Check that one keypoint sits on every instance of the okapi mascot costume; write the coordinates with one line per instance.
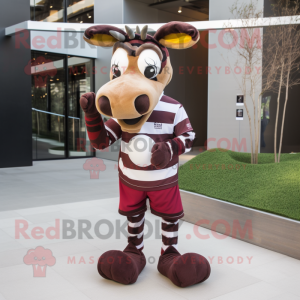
(154, 130)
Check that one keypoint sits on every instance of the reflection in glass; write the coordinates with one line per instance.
(80, 82)
(265, 118)
(48, 104)
(47, 10)
(80, 11)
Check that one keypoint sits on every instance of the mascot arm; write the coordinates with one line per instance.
(164, 152)
(101, 135)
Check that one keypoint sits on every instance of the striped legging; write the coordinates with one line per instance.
(136, 232)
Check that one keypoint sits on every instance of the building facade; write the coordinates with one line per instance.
(45, 73)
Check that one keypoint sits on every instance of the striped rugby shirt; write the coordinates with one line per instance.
(168, 123)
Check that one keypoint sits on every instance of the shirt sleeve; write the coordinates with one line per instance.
(101, 134)
(184, 135)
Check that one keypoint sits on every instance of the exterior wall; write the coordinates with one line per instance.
(15, 101)
(223, 88)
(109, 12)
(189, 86)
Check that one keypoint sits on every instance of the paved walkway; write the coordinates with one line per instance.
(55, 182)
(63, 190)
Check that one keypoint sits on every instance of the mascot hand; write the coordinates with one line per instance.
(87, 103)
(161, 155)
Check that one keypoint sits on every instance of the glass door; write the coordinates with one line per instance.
(48, 105)
(58, 125)
(80, 74)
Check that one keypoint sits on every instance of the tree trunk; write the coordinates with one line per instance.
(250, 126)
(251, 140)
(277, 113)
(258, 126)
(283, 114)
(254, 121)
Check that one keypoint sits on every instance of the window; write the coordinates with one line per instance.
(71, 11)
(47, 10)
(80, 11)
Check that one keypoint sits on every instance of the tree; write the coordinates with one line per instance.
(280, 63)
(254, 81)
(286, 42)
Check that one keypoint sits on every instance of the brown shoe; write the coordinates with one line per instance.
(183, 270)
(122, 266)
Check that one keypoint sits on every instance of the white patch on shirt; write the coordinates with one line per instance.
(139, 150)
(157, 125)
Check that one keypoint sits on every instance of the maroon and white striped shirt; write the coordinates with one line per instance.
(168, 123)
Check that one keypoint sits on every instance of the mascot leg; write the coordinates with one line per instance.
(183, 270)
(125, 266)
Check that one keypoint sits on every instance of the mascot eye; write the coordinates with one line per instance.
(119, 63)
(149, 64)
(150, 72)
(115, 71)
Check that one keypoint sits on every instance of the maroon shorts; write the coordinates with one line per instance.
(163, 203)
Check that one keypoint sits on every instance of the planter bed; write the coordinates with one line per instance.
(268, 230)
(223, 185)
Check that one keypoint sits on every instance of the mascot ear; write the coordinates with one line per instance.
(104, 35)
(177, 35)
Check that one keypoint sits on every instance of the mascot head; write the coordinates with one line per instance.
(140, 69)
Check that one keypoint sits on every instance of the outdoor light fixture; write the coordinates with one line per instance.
(179, 9)
(51, 6)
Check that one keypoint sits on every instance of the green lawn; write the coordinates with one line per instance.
(229, 176)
